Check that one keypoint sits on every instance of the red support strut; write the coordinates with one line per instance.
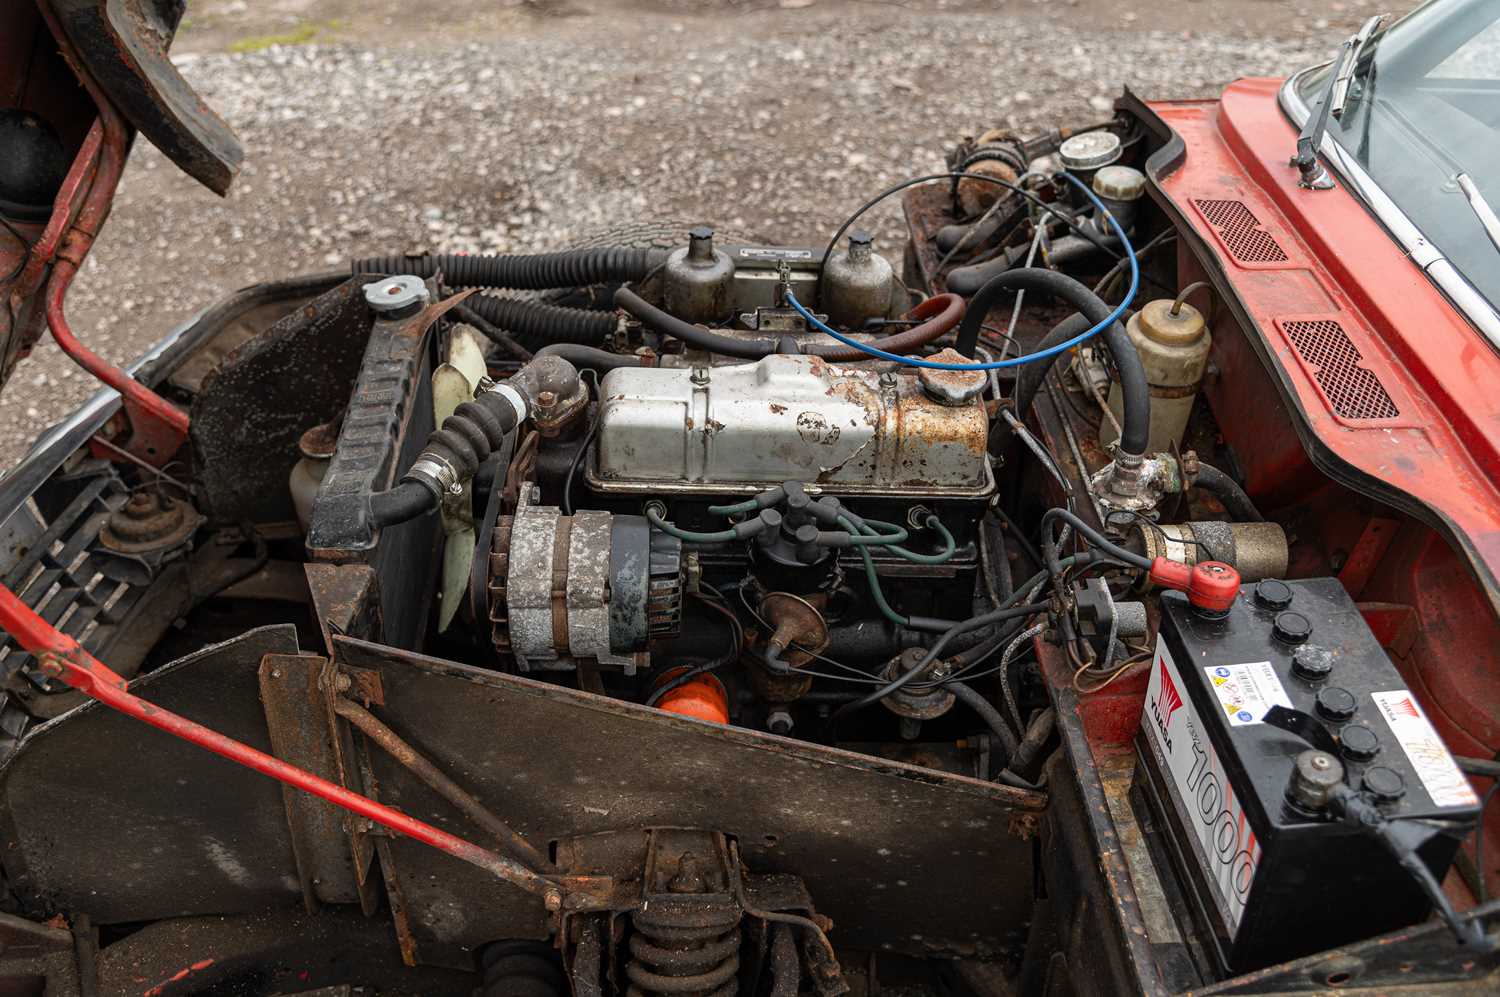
(157, 428)
(63, 658)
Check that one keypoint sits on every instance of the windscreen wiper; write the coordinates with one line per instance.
(1312, 174)
(1481, 207)
(1345, 79)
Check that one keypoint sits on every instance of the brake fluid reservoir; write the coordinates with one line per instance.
(1173, 347)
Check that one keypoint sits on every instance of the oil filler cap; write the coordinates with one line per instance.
(1336, 703)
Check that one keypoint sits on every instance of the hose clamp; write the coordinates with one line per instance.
(516, 399)
(434, 472)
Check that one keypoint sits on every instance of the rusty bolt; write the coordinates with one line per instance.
(50, 664)
(553, 900)
(546, 399)
(689, 878)
(888, 379)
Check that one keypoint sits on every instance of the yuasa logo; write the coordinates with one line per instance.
(1168, 701)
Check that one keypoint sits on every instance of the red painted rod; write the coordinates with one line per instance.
(62, 657)
(161, 425)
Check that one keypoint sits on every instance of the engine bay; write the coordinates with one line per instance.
(706, 615)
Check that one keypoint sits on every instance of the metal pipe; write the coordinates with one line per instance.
(61, 657)
(389, 741)
(158, 428)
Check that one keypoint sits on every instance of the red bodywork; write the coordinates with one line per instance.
(1375, 440)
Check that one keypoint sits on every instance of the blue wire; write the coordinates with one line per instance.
(1051, 351)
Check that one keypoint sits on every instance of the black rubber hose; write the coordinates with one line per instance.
(474, 431)
(590, 357)
(537, 323)
(407, 500)
(1229, 492)
(991, 717)
(704, 339)
(529, 272)
(1037, 734)
(492, 332)
(968, 280)
(1137, 392)
(1029, 380)
(466, 438)
(979, 233)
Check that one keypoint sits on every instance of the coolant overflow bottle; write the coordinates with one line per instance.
(1173, 342)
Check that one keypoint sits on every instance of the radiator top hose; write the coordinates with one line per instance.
(475, 430)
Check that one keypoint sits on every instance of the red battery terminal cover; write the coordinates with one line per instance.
(1211, 586)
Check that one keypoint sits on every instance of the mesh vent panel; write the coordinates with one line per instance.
(1246, 241)
(1356, 393)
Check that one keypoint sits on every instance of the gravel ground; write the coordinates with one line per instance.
(520, 130)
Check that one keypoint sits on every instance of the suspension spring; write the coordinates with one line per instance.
(521, 968)
(684, 952)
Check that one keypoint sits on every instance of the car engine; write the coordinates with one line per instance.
(705, 614)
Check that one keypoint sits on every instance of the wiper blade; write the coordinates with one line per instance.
(1312, 173)
(1481, 207)
(1345, 78)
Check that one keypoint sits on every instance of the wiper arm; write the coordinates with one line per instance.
(1346, 77)
(1313, 175)
(1481, 207)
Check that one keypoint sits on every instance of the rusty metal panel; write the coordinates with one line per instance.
(301, 731)
(255, 405)
(868, 835)
(346, 600)
(168, 829)
(123, 45)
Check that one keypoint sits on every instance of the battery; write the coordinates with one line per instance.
(1266, 880)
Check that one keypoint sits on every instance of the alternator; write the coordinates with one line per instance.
(591, 586)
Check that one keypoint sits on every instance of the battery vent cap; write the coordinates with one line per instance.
(1336, 703)
(1385, 784)
(1273, 594)
(1359, 743)
(1312, 662)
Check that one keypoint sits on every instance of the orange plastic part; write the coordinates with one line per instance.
(704, 698)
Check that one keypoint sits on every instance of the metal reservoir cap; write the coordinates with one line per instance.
(952, 387)
(1158, 324)
(395, 296)
(1090, 150)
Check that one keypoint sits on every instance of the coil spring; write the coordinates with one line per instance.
(521, 968)
(695, 955)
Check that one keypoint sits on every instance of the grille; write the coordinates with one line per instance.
(1240, 232)
(1354, 391)
(58, 573)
